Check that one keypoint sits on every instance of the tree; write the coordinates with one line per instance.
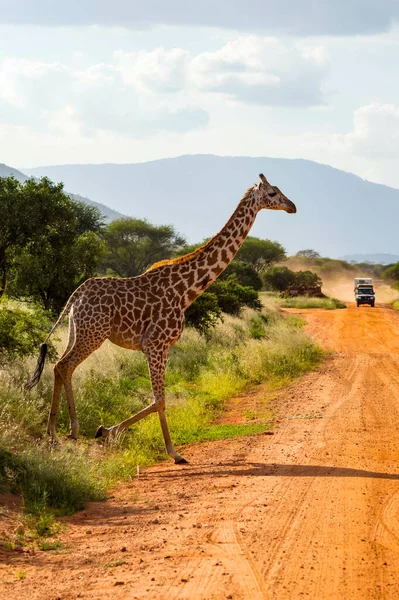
(278, 278)
(244, 273)
(261, 254)
(16, 223)
(392, 273)
(308, 253)
(133, 245)
(62, 247)
(307, 278)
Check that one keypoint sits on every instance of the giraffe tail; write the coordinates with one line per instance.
(39, 368)
(44, 347)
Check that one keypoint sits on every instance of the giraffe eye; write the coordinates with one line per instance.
(272, 194)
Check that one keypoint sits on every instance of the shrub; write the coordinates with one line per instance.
(204, 312)
(22, 331)
(244, 273)
(278, 279)
(232, 297)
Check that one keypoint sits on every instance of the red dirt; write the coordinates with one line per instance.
(311, 511)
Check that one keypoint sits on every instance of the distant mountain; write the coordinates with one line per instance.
(109, 214)
(338, 213)
(378, 259)
(6, 171)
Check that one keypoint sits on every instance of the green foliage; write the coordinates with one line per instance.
(259, 253)
(21, 332)
(133, 245)
(55, 247)
(278, 278)
(244, 273)
(204, 312)
(392, 273)
(226, 296)
(307, 278)
(62, 479)
(312, 302)
(232, 297)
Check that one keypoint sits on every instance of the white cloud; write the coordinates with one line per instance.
(264, 71)
(139, 93)
(58, 98)
(376, 131)
(250, 69)
(155, 71)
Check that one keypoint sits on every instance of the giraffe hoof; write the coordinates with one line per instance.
(181, 461)
(102, 432)
(99, 432)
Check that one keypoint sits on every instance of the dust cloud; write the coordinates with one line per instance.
(342, 288)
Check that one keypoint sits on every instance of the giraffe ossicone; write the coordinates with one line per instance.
(147, 312)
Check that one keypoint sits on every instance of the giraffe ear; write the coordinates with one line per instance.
(263, 178)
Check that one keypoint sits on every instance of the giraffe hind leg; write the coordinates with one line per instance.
(80, 350)
(58, 383)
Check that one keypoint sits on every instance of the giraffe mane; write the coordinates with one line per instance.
(187, 257)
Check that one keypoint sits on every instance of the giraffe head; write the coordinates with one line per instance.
(269, 196)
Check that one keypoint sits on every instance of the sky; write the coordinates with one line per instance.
(93, 81)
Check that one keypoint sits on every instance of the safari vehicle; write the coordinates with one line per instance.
(364, 291)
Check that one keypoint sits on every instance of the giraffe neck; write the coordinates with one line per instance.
(203, 269)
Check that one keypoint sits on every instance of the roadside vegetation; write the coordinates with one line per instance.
(258, 347)
(312, 302)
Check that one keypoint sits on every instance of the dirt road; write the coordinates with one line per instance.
(311, 511)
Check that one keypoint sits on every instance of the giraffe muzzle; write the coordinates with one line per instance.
(290, 207)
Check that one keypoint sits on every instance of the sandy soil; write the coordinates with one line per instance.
(311, 511)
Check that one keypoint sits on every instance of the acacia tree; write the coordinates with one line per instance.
(261, 254)
(133, 245)
(62, 245)
(307, 253)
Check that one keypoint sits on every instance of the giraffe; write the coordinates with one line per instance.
(146, 312)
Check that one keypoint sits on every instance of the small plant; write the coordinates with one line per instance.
(46, 546)
(20, 575)
(42, 523)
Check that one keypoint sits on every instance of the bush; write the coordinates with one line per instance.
(307, 278)
(232, 296)
(204, 312)
(278, 279)
(22, 331)
(62, 479)
(226, 296)
(244, 273)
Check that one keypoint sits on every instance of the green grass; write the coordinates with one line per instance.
(54, 546)
(395, 304)
(114, 383)
(311, 302)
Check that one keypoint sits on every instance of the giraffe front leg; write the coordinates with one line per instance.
(157, 360)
